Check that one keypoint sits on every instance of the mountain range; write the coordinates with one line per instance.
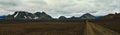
(83, 17)
(22, 15)
(27, 15)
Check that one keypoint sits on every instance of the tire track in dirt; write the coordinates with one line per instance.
(94, 29)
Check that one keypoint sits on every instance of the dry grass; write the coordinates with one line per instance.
(42, 28)
(52, 28)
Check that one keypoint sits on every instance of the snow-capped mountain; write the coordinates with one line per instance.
(23, 15)
(27, 15)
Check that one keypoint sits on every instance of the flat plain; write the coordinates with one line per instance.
(59, 27)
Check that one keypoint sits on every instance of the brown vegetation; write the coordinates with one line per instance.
(53, 27)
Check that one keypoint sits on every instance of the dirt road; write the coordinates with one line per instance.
(94, 29)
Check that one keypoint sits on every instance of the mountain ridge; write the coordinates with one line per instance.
(87, 16)
(43, 16)
(27, 15)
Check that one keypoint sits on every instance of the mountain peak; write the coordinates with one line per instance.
(62, 17)
(23, 15)
(26, 15)
(43, 13)
(73, 17)
(87, 16)
(38, 12)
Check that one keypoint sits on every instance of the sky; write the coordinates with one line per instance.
(57, 8)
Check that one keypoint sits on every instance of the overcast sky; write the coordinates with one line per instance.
(56, 8)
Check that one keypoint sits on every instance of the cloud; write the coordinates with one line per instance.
(56, 8)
